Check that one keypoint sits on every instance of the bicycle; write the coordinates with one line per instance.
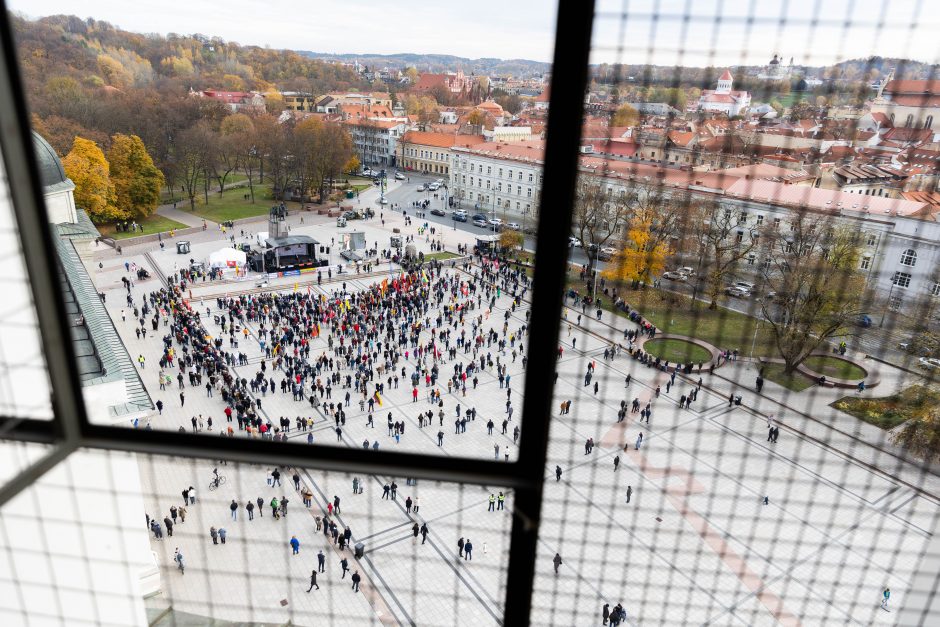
(216, 482)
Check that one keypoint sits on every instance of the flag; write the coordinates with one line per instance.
(378, 399)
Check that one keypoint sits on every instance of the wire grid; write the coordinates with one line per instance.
(24, 380)
(680, 532)
(847, 514)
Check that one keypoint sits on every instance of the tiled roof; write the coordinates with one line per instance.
(440, 140)
(726, 76)
(913, 87)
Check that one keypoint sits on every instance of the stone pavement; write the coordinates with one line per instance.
(694, 545)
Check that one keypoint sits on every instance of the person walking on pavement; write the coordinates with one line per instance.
(313, 581)
(616, 462)
(250, 507)
(415, 530)
(260, 502)
(355, 581)
(295, 545)
(344, 564)
(424, 533)
(884, 599)
(557, 473)
(275, 477)
(234, 508)
(629, 493)
(557, 562)
(169, 526)
(321, 562)
(214, 535)
(222, 533)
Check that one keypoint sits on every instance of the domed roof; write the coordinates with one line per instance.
(51, 173)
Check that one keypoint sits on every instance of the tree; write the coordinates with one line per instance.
(352, 166)
(238, 130)
(191, 153)
(476, 118)
(812, 269)
(642, 256)
(94, 192)
(137, 181)
(510, 240)
(412, 74)
(625, 116)
(598, 215)
(921, 434)
(713, 232)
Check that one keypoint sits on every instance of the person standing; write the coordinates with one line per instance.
(460, 547)
(214, 535)
(355, 581)
(192, 495)
(251, 510)
(467, 550)
(557, 473)
(169, 526)
(222, 533)
(557, 562)
(616, 462)
(492, 507)
(275, 477)
(295, 544)
(629, 492)
(296, 479)
(884, 599)
(313, 581)
(260, 502)
(605, 613)
(234, 509)
(321, 562)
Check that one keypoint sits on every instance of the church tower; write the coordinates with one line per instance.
(725, 81)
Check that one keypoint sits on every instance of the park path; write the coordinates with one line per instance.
(184, 217)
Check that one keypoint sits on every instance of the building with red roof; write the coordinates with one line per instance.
(724, 99)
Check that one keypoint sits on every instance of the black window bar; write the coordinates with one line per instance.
(70, 429)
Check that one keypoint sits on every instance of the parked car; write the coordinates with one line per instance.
(422, 187)
(687, 270)
(737, 292)
(929, 363)
(399, 176)
(479, 216)
(514, 226)
(460, 215)
(606, 253)
(480, 222)
(434, 186)
(383, 201)
(496, 222)
(438, 212)
(574, 241)
(674, 275)
(863, 321)
(744, 285)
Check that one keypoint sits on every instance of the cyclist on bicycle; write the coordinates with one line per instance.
(215, 474)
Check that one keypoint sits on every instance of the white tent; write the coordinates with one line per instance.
(227, 258)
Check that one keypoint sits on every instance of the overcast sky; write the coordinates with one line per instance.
(814, 32)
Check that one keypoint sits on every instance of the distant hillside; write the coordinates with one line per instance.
(439, 63)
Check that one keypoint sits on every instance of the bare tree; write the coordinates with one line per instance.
(721, 240)
(599, 215)
(813, 270)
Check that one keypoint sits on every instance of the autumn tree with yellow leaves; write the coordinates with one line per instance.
(137, 181)
(643, 254)
(94, 192)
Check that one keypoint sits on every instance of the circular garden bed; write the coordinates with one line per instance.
(677, 351)
(834, 367)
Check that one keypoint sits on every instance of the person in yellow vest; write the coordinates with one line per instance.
(492, 503)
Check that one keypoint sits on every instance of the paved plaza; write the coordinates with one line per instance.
(695, 544)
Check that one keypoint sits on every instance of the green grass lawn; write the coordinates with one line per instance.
(677, 351)
(152, 224)
(674, 313)
(231, 205)
(178, 195)
(441, 256)
(794, 382)
(890, 411)
(836, 368)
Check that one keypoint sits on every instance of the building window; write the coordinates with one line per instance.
(742, 218)
(489, 170)
(727, 214)
(901, 279)
(520, 175)
(789, 247)
(766, 263)
(500, 173)
(750, 259)
(866, 262)
(928, 123)
(909, 122)
(872, 239)
(776, 223)
(499, 187)
(909, 257)
(935, 289)
(760, 220)
(530, 177)
(740, 237)
(529, 192)
(510, 174)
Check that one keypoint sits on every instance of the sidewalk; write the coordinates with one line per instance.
(187, 218)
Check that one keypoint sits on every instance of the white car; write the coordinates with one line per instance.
(929, 363)
(687, 271)
(399, 176)
(737, 292)
(497, 222)
(744, 285)
(514, 226)
(383, 201)
(674, 276)
(434, 186)
(574, 241)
